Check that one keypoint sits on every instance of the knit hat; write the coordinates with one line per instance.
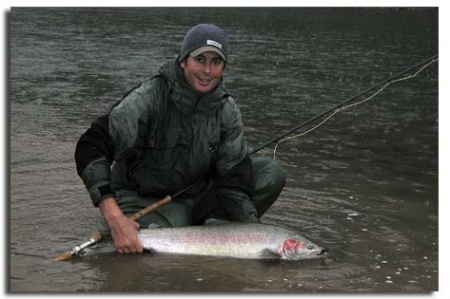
(202, 38)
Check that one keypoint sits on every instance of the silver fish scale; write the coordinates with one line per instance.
(238, 240)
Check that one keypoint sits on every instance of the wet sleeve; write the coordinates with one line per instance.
(111, 138)
(233, 180)
(233, 147)
(93, 157)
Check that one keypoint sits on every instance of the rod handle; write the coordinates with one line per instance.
(150, 208)
(69, 253)
(98, 237)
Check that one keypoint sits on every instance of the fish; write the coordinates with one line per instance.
(234, 240)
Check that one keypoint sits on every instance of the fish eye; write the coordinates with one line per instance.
(310, 247)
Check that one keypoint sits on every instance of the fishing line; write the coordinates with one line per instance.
(338, 109)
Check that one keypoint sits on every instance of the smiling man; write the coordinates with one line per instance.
(203, 71)
(174, 129)
(203, 56)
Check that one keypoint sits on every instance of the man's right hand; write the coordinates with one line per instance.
(123, 230)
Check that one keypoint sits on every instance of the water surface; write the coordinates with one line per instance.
(365, 184)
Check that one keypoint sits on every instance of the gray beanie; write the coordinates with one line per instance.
(202, 38)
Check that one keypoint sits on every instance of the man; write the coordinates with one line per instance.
(174, 129)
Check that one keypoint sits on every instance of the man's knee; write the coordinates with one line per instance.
(269, 180)
(268, 175)
(279, 176)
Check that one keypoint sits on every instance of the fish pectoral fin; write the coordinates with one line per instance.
(269, 254)
(149, 250)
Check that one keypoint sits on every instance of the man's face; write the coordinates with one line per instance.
(204, 71)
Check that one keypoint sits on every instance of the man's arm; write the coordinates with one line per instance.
(93, 156)
(233, 182)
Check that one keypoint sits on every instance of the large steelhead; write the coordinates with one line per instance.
(238, 240)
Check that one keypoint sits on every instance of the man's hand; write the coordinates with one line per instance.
(123, 230)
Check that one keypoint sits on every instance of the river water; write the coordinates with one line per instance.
(364, 184)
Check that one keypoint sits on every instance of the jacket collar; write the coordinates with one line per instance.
(187, 99)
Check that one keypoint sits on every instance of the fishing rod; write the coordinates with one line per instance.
(345, 103)
(77, 250)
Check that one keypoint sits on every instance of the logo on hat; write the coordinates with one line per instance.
(214, 43)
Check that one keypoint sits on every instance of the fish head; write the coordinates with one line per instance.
(294, 248)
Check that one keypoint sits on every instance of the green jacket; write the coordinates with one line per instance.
(163, 136)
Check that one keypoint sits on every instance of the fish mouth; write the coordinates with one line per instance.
(323, 253)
